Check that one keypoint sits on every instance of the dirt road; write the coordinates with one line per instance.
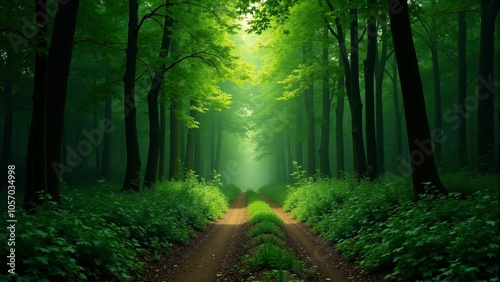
(203, 258)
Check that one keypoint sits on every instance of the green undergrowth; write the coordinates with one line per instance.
(268, 258)
(102, 234)
(452, 238)
(276, 193)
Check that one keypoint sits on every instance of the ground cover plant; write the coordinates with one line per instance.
(453, 238)
(100, 234)
(269, 259)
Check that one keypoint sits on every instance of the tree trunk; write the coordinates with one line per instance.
(163, 130)
(379, 113)
(324, 154)
(150, 176)
(218, 147)
(309, 109)
(437, 82)
(8, 119)
(197, 152)
(369, 70)
(59, 62)
(355, 102)
(299, 144)
(339, 120)
(36, 163)
(97, 153)
(462, 89)
(106, 150)
(425, 176)
(175, 170)
(486, 89)
(133, 171)
(191, 139)
(397, 115)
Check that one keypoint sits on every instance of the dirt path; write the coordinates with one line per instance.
(308, 246)
(204, 258)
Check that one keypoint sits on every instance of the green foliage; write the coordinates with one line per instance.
(276, 193)
(230, 191)
(99, 234)
(268, 241)
(452, 238)
(435, 239)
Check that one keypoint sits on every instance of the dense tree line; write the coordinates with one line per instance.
(105, 78)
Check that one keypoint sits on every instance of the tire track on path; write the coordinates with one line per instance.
(201, 259)
(311, 247)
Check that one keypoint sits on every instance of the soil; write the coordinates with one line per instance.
(213, 254)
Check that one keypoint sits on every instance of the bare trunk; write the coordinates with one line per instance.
(175, 170)
(486, 89)
(462, 89)
(133, 171)
(106, 150)
(339, 134)
(379, 113)
(324, 152)
(369, 70)
(36, 164)
(425, 176)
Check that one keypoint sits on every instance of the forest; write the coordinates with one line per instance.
(250, 140)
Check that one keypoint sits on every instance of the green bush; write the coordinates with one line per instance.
(99, 233)
(276, 193)
(452, 238)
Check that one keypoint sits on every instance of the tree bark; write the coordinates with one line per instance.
(106, 150)
(191, 139)
(339, 123)
(369, 70)
(59, 62)
(150, 176)
(299, 144)
(355, 101)
(425, 176)
(218, 148)
(397, 115)
(462, 89)
(438, 124)
(36, 163)
(8, 119)
(309, 108)
(379, 77)
(133, 171)
(486, 89)
(163, 130)
(324, 150)
(175, 169)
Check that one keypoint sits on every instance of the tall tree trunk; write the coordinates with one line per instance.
(218, 148)
(97, 151)
(8, 118)
(163, 130)
(324, 150)
(133, 171)
(299, 144)
(310, 151)
(397, 114)
(197, 153)
(175, 170)
(462, 89)
(379, 113)
(355, 101)
(191, 138)
(339, 119)
(369, 70)
(425, 176)
(106, 150)
(438, 124)
(59, 62)
(36, 164)
(150, 176)
(486, 89)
